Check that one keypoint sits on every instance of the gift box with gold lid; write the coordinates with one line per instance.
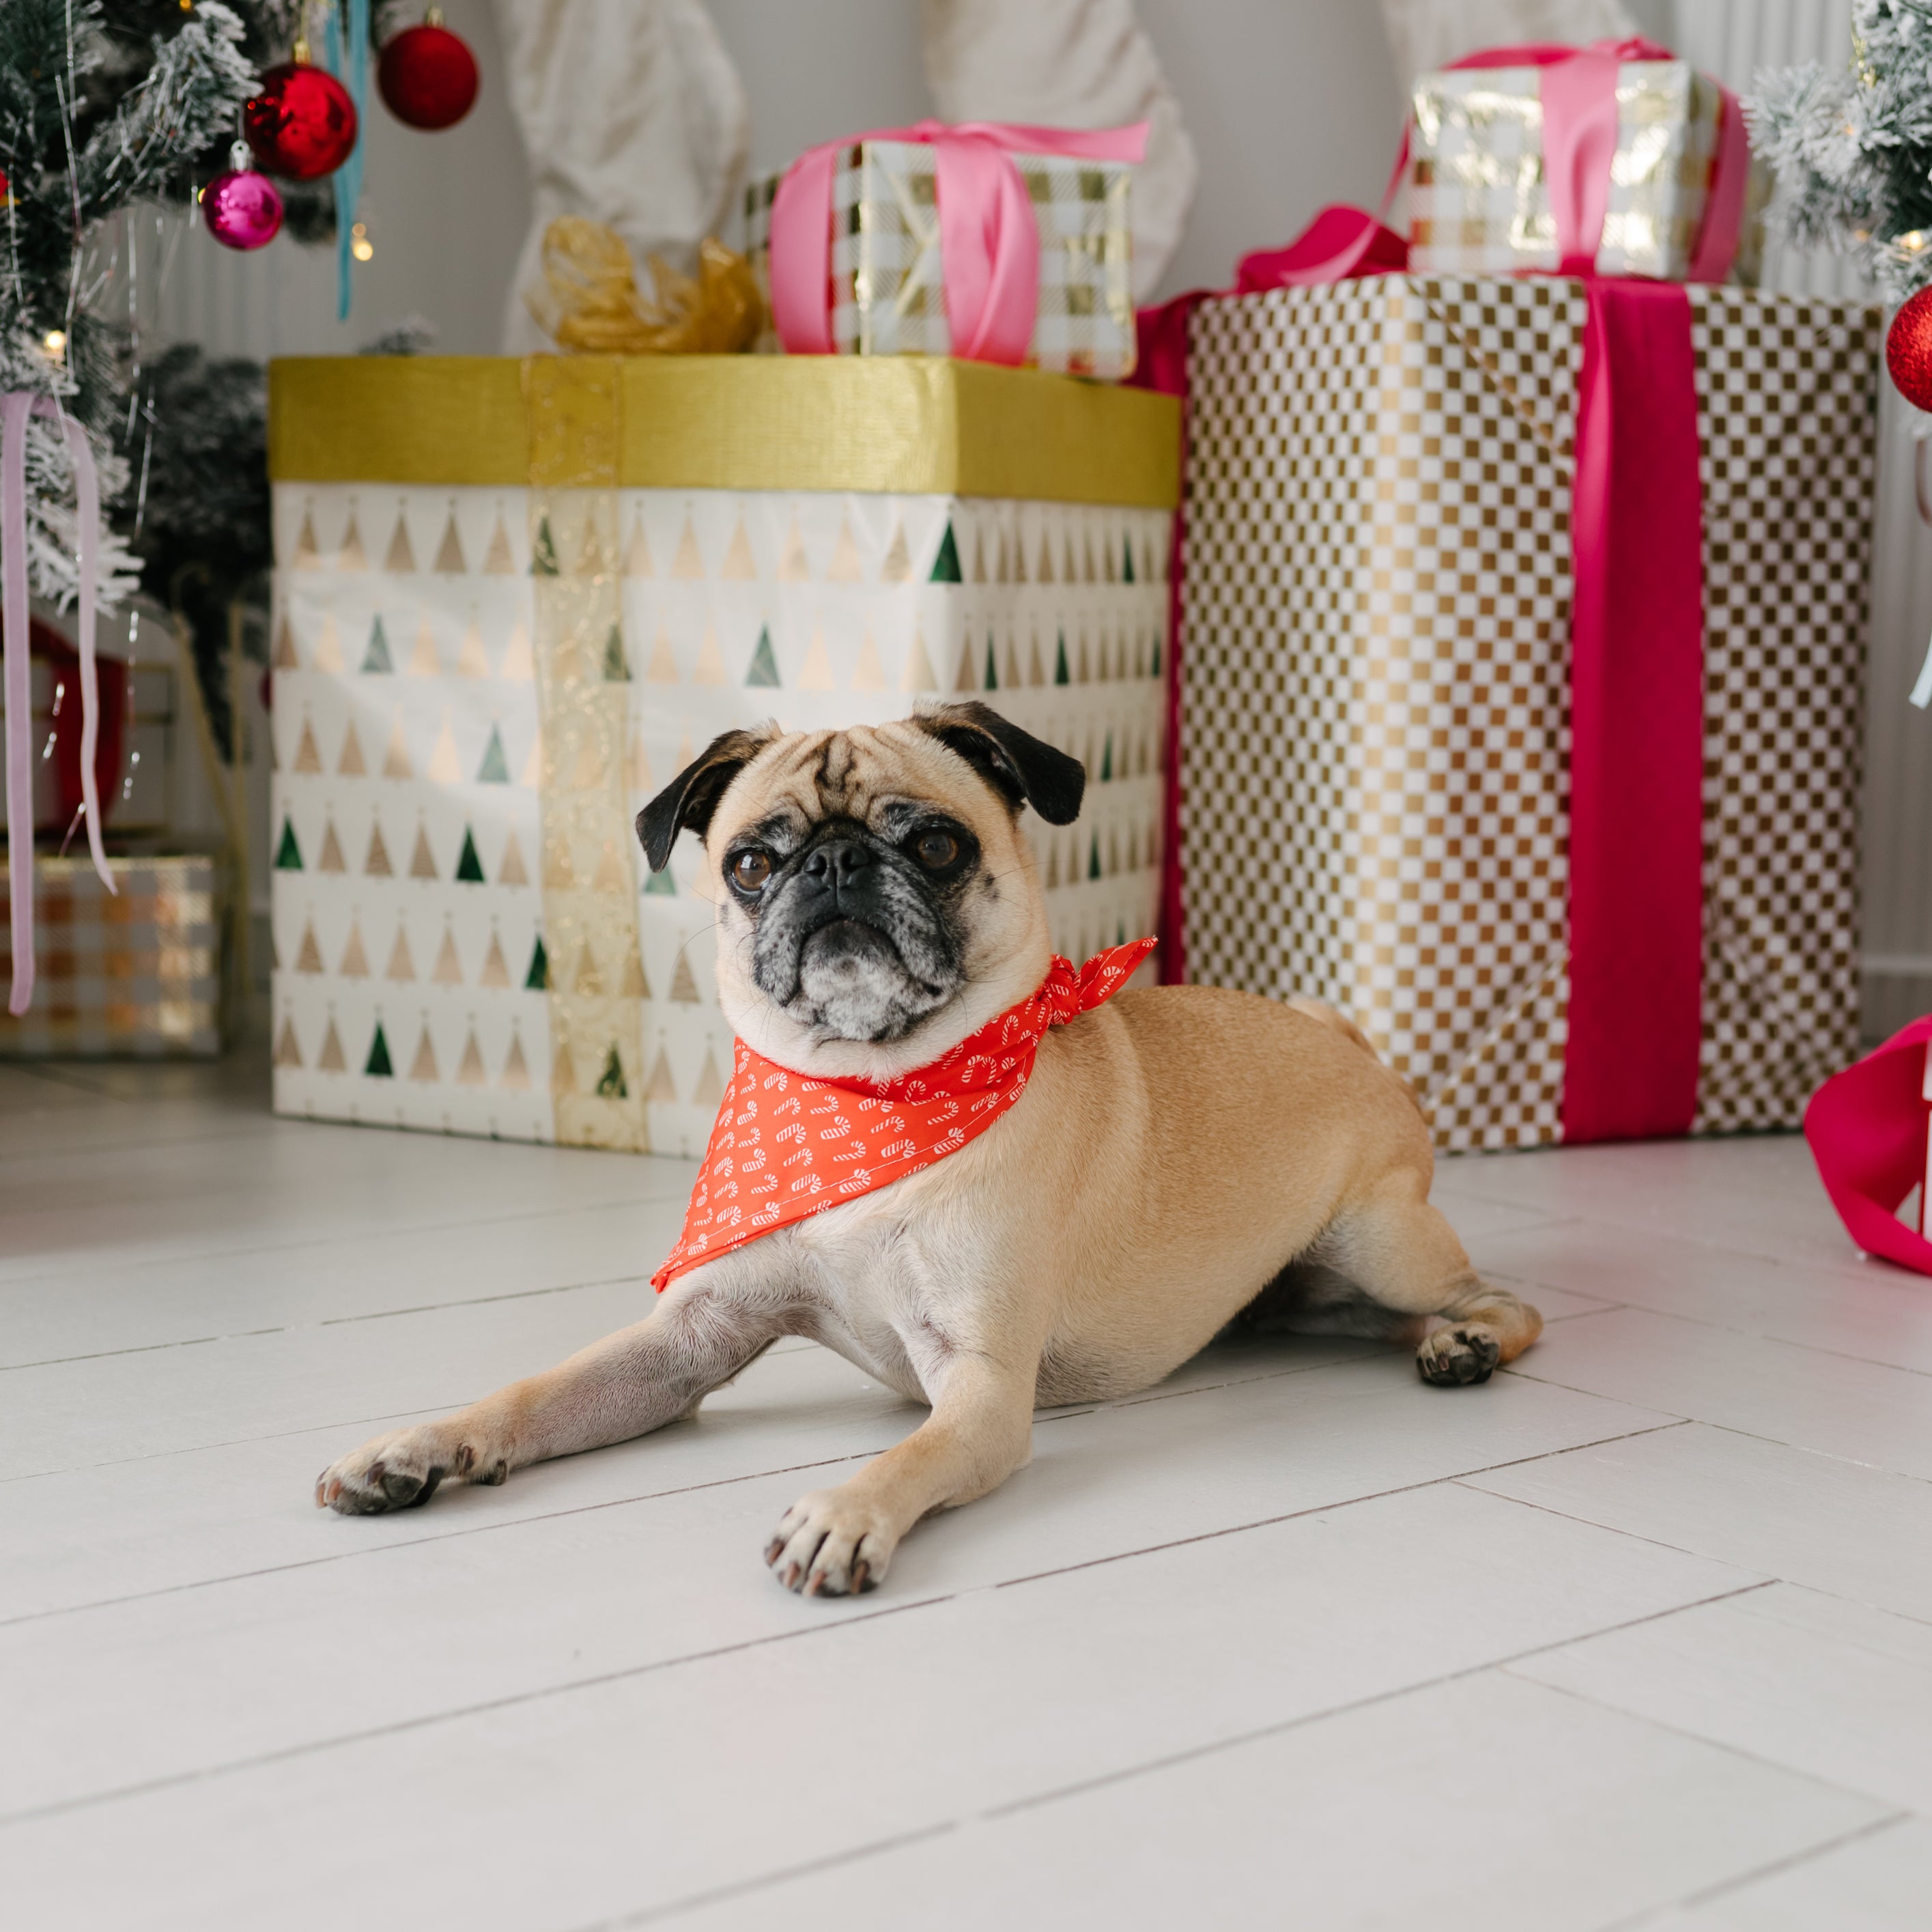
(513, 600)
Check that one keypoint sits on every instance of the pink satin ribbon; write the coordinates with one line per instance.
(16, 407)
(1867, 1129)
(989, 239)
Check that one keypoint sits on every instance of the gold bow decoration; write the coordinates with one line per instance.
(589, 302)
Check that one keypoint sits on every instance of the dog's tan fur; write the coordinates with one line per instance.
(1182, 1157)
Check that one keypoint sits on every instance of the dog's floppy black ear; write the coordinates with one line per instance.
(1013, 761)
(692, 796)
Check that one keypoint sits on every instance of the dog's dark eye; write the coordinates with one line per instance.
(750, 871)
(935, 849)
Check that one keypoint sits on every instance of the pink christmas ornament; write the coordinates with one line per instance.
(241, 208)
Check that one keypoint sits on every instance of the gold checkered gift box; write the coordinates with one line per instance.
(137, 972)
(1478, 202)
(1376, 591)
(889, 296)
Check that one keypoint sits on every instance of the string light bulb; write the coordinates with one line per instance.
(360, 246)
(55, 343)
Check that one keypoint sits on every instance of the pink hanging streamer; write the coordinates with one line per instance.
(16, 408)
(989, 239)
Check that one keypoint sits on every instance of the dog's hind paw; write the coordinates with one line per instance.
(401, 1470)
(830, 1545)
(1465, 1352)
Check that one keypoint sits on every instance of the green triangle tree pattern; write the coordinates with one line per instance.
(288, 855)
(1093, 862)
(1059, 671)
(764, 669)
(495, 769)
(537, 979)
(661, 885)
(377, 657)
(992, 676)
(1107, 760)
(946, 564)
(1127, 560)
(468, 868)
(1155, 671)
(378, 1067)
(616, 670)
(1123, 939)
(611, 1086)
(543, 553)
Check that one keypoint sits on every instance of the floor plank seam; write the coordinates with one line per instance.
(104, 1260)
(1651, 1914)
(1719, 1327)
(235, 1767)
(429, 1538)
(717, 1894)
(574, 1685)
(1321, 1509)
(995, 1814)
(1070, 1413)
(1679, 1730)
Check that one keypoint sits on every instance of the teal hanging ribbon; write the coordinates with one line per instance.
(350, 67)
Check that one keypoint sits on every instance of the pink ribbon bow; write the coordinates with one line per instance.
(989, 239)
(15, 409)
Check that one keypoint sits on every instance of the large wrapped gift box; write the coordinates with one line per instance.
(513, 601)
(136, 973)
(1376, 623)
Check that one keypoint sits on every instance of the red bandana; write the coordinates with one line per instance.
(786, 1146)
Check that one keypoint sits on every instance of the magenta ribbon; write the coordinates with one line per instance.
(16, 407)
(1867, 1128)
(989, 239)
(1635, 889)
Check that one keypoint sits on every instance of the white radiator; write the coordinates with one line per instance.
(1733, 39)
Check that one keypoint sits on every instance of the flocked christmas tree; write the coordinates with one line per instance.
(1852, 147)
(105, 105)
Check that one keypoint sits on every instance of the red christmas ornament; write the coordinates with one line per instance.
(1908, 350)
(427, 75)
(302, 123)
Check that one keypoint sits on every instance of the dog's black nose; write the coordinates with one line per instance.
(837, 863)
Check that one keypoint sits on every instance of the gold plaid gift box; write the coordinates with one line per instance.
(888, 276)
(136, 973)
(1376, 609)
(1478, 201)
(512, 602)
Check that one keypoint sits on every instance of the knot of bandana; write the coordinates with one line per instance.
(786, 1145)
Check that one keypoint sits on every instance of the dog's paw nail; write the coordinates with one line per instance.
(861, 1578)
(791, 1576)
(814, 1583)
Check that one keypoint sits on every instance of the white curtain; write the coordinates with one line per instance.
(632, 114)
(1425, 35)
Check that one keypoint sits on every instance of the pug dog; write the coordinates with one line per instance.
(1181, 1158)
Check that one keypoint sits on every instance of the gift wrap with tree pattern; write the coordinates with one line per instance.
(430, 926)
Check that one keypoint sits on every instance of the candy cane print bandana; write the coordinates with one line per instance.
(786, 1146)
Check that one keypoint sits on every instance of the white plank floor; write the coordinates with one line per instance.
(1638, 1635)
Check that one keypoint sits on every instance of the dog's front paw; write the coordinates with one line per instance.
(830, 1544)
(1465, 1352)
(401, 1470)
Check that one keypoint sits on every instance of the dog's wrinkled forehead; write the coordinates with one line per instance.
(868, 775)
